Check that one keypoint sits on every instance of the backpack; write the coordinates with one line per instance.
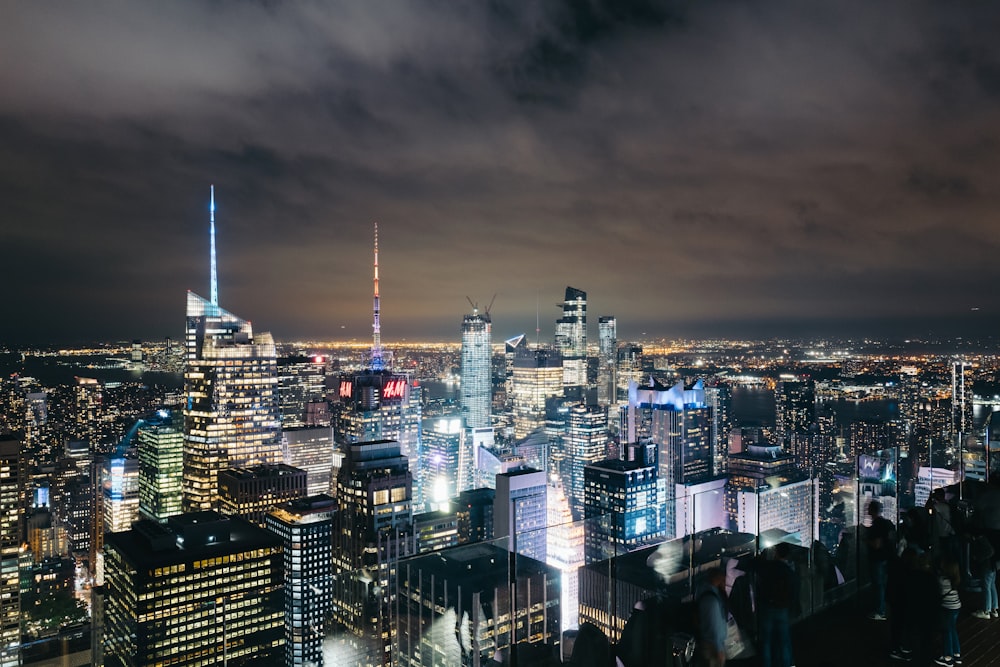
(981, 549)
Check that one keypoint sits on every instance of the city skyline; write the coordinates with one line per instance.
(697, 169)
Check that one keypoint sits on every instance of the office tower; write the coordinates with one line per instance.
(621, 508)
(377, 403)
(475, 515)
(630, 368)
(231, 414)
(467, 605)
(161, 466)
(564, 551)
(305, 527)
(571, 340)
(510, 349)
(446, 460)
(250, 493)
(372, 530)
(537, 376)
(767, 491)
(795, 408)
(435, 530)
(607, 360)
(301, 381)
(586, 442)
(311, 449)
(961, 401)
(119, 493)
(519, 511)
(46, 538)
(719, 397)
(476, 389)
(202, 590)
(11, 526)
(678, 420)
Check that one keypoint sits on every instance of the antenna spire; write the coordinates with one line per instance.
(214, 277)
(377, 361)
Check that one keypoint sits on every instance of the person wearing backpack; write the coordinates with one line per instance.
(712, 618)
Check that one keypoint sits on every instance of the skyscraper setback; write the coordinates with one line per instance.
(231, 413)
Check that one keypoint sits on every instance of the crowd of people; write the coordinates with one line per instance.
(940, 554)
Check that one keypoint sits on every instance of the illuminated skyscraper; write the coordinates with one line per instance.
(571, 339)
(11, 527)
(520, 511)
(795, 408)
(607, 360)
(305, 527)
(476, 357)
(372, 529)
(378, 403)
(961, 401)
(161, 465)
(586, 442)
(202, 590)
(301, 381)
(119, 493)
(620, 500)
(231, 416)
(679, 421)
(537, 376)
(719, 397)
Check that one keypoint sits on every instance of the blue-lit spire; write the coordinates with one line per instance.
(377, 362)
(214, 290)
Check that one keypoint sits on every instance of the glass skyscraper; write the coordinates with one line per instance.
(476, 390)
(571, 338)
(231, 416)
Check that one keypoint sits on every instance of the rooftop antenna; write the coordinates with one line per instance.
(538, 328)
(377, 361)
(214, 276)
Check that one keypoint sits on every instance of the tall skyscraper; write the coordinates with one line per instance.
(571, 339)
(161, 466)
(766, 491)
(310, 448)
(231, 414)
(11, 528)
(301, 381)
(202, 590)
(961, 401)
(679, 421)
(537, 376)
(377, 403)
(476, 389)
(586, 442)
(607, 359)
(520, 511)
(119, 492)
(372, 529)
(622, 513)
(305, 527)
(719, 397)
(795, 408)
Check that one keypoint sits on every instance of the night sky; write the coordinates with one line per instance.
(699, 168)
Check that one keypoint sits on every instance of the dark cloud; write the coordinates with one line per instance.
(692, 165)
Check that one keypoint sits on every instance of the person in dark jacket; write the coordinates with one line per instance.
(881, 548)
(777, 588)
(712, 618)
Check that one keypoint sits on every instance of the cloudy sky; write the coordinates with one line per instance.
(699, 168)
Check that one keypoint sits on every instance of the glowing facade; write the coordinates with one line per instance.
(571, 338)
(119, 493)
(11, 526)
(607, 359)
(161, 466)
(476, 389)
(202, 590)
(537, 375)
